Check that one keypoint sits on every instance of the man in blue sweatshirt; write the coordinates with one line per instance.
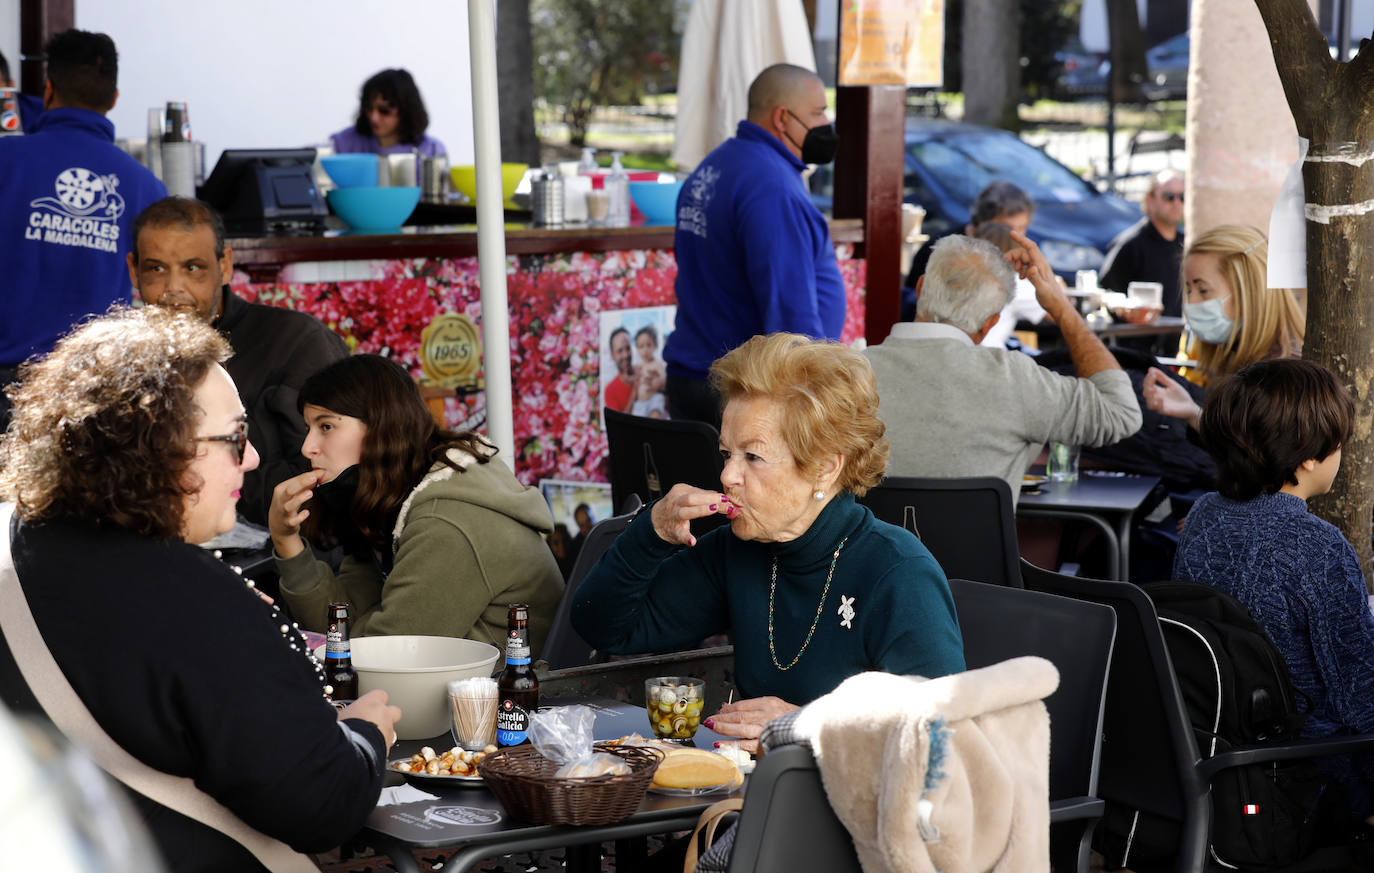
(754, 254)
(68, 197)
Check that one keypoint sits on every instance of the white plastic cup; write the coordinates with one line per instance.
(1146, 293)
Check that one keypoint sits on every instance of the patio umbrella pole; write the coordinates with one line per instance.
(491, 230)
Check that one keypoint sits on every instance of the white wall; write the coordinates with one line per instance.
(282, 73)
(9, 35)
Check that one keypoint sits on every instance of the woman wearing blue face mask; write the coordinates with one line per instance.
(1234, 318)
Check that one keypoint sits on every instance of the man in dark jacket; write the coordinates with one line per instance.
(179, 259)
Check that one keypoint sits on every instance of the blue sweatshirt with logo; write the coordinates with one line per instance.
(754, 254)
(68, 199)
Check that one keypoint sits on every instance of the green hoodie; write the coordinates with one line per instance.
(466, 545)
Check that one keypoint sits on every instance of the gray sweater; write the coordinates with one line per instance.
(953, 409)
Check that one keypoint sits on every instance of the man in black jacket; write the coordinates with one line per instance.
(179, 259)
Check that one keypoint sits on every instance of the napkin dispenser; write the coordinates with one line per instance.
(266, 189)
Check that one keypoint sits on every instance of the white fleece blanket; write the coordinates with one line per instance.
(947, 775)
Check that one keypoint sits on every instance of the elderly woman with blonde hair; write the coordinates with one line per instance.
(1235, 318)
(811, 586)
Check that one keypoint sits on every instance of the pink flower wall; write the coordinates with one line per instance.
(554, 300)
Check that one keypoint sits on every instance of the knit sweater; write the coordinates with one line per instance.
(1301, 581)
(953, 409)
(467, 544)
(888, 607)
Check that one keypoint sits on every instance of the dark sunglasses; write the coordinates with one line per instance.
(1170, 197)
(238, 440)
(383, 109)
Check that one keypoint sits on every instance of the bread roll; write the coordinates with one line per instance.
(694, 768)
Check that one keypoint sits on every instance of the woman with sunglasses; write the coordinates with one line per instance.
(391, 119)
(439, 535)
(1234, 317)
(127, 446)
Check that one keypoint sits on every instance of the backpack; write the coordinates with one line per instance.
(1237, 690)
(1161, 447)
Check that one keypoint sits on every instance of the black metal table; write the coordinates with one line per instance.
(1100, 498)
(473, 821)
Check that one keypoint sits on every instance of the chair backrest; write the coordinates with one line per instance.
(787, 823)
(969, 525)
(564, 647)
(999, 622)
(1149, 752)
(648, 456)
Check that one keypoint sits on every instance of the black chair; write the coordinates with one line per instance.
(999, 623)
(787, 824)
(969, 525)
(564, 647)
(1150, 758)
(648, 456)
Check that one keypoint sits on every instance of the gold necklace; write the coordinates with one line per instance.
(820, 607)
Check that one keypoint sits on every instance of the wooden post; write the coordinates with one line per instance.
(1331, 105)
(868, 185)
(38, 20)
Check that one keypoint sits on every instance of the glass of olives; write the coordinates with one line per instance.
(674, 704)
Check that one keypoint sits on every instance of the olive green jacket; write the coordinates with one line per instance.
(466, 545)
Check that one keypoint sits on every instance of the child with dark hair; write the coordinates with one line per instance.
(1275, 429)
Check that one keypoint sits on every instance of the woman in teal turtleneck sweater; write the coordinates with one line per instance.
(813, 588)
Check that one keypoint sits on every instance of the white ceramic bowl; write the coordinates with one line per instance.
(415, 672)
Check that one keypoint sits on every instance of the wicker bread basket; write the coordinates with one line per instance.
(522, 779)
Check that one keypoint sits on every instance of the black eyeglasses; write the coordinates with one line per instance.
(1170, 197)
(238, 440)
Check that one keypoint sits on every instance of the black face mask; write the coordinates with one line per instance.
(336, 498)
(820, 143)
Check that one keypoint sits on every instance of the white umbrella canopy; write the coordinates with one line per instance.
(727, 44)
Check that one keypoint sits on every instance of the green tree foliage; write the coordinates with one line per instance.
(1045, 28)
(590, 53)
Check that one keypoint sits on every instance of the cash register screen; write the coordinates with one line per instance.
(269, 182)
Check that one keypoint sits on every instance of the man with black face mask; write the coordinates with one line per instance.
(754, 255)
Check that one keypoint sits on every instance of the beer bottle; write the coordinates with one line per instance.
(518, 687)
(339, 674)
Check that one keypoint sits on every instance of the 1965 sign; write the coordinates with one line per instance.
(451, 351)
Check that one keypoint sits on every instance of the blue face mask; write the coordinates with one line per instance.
(1207, 320)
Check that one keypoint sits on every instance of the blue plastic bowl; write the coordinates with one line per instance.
(657, 200)
(351, 170)
(374, 208)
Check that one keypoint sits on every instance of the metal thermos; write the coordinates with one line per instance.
(546, 196)
(10, 122)
(434, 179)
(178, 124)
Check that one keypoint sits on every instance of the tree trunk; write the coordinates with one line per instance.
(1129, 69)
(991, 62)
(1331, 105)
(515, 77)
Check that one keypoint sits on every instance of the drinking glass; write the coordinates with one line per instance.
(674, 705)
(472, 706)
(1062, 465)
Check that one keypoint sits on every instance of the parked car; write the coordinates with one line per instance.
(948, 163)
(1081, 73)
(1168, 66)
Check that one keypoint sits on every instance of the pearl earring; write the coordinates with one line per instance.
(819, 495)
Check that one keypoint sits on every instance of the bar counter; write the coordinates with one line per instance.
(414, 296)
(261, 256)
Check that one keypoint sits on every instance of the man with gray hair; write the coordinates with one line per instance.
(954, 409)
